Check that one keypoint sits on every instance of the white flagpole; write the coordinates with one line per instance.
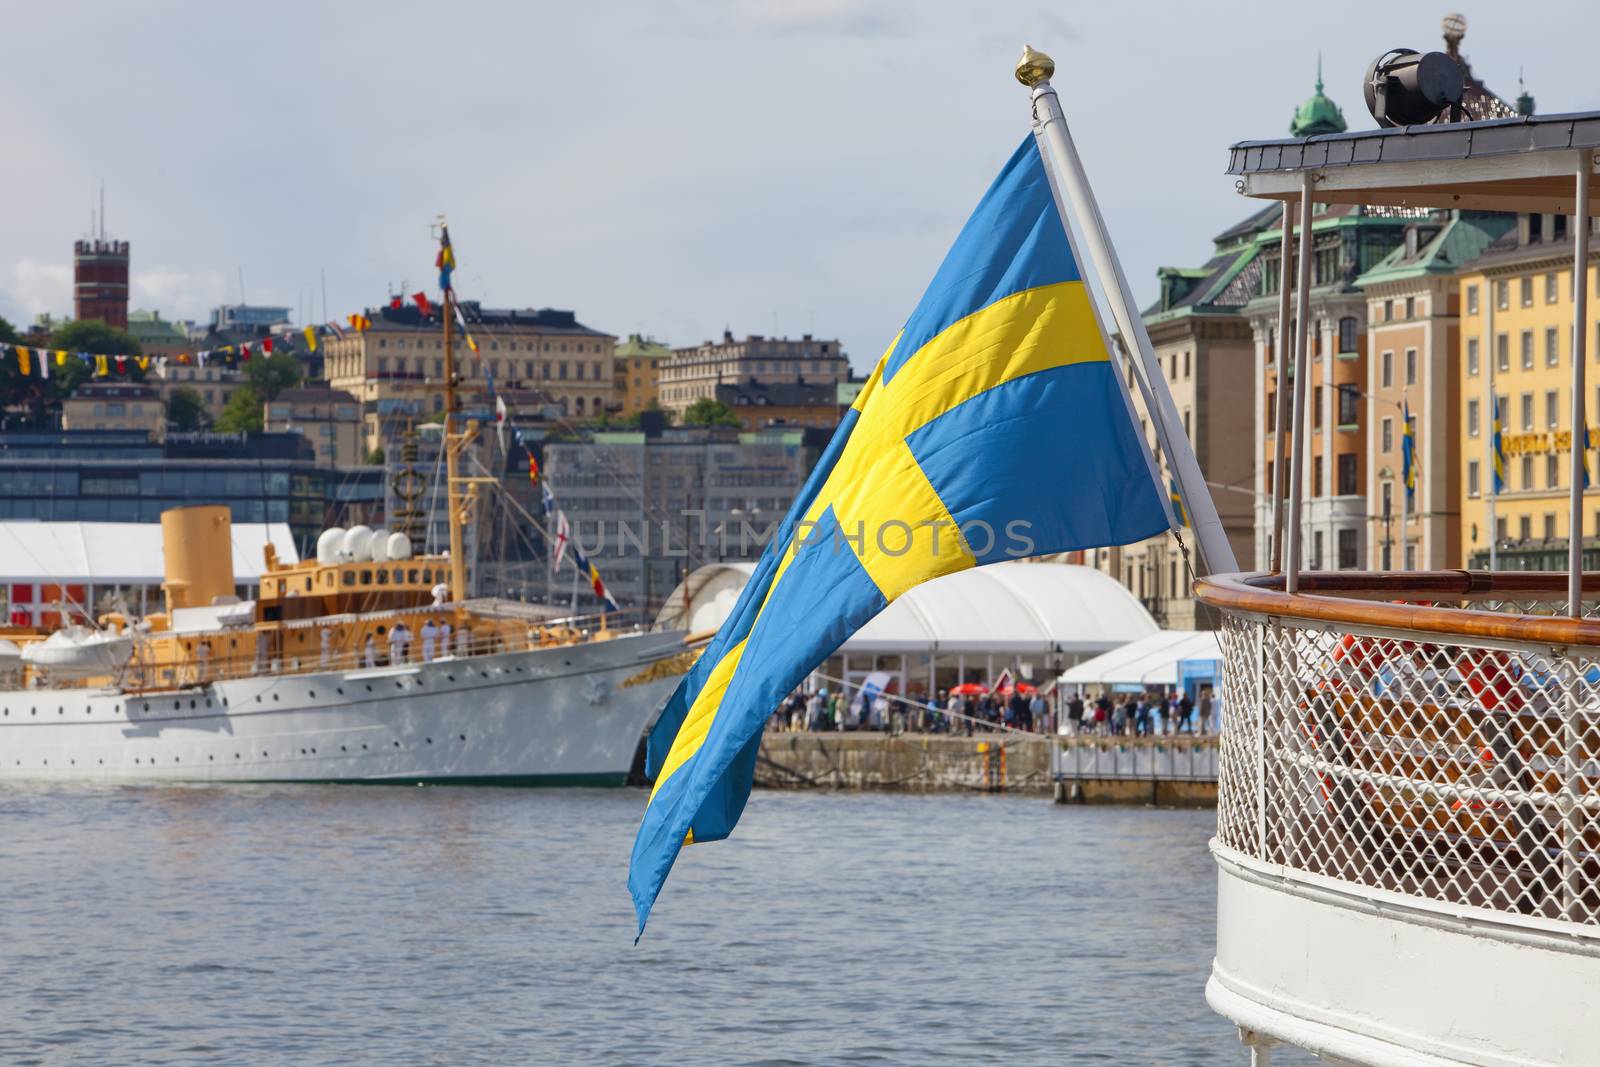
(1216, 555)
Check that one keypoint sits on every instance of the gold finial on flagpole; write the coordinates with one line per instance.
(1034, 67)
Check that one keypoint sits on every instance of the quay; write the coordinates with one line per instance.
(1168, 771)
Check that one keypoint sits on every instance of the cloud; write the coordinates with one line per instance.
(31, 287)
(838, 19)
(177, 294)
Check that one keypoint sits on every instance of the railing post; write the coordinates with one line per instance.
(1261, 740)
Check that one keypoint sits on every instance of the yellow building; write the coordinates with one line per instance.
(639, 373)
(115, 406)
(1516, 347)
(396, 368)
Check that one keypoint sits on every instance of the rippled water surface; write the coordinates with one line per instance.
(365, 925)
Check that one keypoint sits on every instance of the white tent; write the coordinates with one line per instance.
(119, 553)
(1009, 608)
(1151, 661)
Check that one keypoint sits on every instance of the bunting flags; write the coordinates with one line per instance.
(266, 345)
(533, 469)
(23, 360)
(311, 338)
(587, 569)
(1177, 502)
(500, 420)
(335, 329)
(422, 302)
(563, 534)
(360, 323)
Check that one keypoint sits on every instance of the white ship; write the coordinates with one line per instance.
(282, 690)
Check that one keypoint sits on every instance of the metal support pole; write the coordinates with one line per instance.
(1489, 355)
(1280, 414)
(1580, 409)
(1302, 364)
(1065, 168)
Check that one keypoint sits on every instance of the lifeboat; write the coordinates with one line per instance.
(80, 652)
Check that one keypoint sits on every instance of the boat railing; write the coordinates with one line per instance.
(1433, 735)
(497, 631)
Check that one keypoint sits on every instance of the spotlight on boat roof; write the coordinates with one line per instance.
(1407, 88)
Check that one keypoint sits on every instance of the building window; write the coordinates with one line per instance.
(1552, 471)
(1527, 290)
(1386, 434)
(1349, 556)
(1411, 366)
(1473, 415)
(1527, 349)
(1316, 407)
(1552, 403)
(1349, 412)
(1386, 370)
(1525, 527)
(1500, 530)
(1411, 307)
(1527, 472)
(1186, 366)
(1347, 475)
(1527, 412)
(1388, 311)
(1316, 476)
(1472, 300)
(1549, 526)
(1474, 487)
(1550, 288)
(1472, 357)
(1552, 347)
(1502, 353)
(1316, 550)
(1347, 334)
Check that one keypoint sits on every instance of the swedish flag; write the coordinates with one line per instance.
(1408, 453)
(1499, 449)
(994, 427)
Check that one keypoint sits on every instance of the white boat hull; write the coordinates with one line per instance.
(568, 715)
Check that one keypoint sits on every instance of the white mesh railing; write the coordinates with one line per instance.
(1455, 772)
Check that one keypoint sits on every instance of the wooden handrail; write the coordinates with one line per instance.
(1375, 599)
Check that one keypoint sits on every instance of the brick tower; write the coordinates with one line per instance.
(100, 281)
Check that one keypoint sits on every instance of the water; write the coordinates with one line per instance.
(312, 925)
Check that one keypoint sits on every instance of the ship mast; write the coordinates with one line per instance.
(457, 496)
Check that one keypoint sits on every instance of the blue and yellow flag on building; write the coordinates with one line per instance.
(994, 427)
(1498, 448)
(1408, 453)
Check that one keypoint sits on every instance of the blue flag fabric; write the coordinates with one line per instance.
(1408, 454)
(993, 428)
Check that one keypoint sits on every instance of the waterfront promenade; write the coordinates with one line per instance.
(1165, 770)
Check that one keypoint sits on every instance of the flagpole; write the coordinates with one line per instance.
(1580, 406)
(1490, 488)
(1033, 70)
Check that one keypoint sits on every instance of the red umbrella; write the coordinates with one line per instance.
(970, 689)
(1022, 687)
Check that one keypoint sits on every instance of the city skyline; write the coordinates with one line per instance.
(774, 172)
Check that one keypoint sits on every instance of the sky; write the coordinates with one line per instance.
(667, 167)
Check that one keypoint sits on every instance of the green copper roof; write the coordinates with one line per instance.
(1462, 239)
(642, 347)
(1318, 114)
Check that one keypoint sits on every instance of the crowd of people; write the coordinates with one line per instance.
(1140, 714)
(973, 709)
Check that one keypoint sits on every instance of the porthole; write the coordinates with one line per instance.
(191, 705)
(363, 748)
(463, 737)
(311, 694)
(101, 762)
(450, 677)
(369, 688)
(340, 691)
(399, 685)
(274, 696)
(177, 705)
(146, 705)
(343, 749)
(302, 752)
(236, 756)
(211, 759)
(258, 698)
(397, 744)
(430, 740)
(263, 755)
(33, 711)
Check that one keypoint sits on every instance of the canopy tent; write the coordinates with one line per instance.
(1151, 661)
(1009, 608)
(119, 553)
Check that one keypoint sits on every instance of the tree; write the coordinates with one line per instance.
(186, 410)
(709, 412)
(242, 412)
(375, 458)
(94, 337)
(270, 375)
